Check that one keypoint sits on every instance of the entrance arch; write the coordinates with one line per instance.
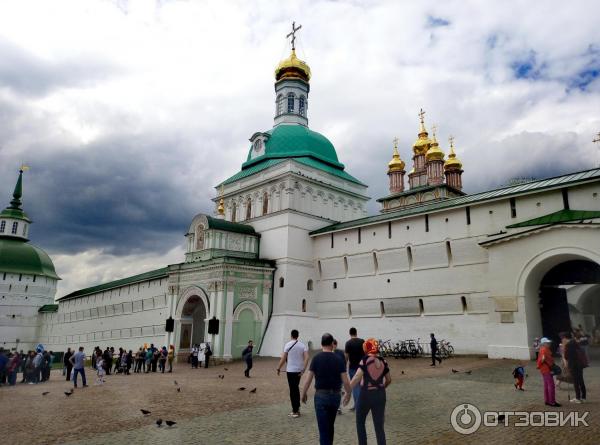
(546, 283)
(247, 325)
(192, 312)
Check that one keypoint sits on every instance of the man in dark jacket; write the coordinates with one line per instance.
(247, 356)
(434, 350)
(575, 359)
(67, 363)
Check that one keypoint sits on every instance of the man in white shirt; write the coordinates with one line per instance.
(295, 353)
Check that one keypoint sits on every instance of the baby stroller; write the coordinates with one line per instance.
(122, 369)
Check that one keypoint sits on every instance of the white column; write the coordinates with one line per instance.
(228, 323)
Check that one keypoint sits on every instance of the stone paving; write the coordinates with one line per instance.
(418, 412)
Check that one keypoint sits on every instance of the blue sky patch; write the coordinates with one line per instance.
(437, 21)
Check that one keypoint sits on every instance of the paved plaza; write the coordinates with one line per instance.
(210, 410)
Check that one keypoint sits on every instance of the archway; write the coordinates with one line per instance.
(247, 325)
(192, 322)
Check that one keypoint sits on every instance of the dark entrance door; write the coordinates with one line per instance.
(555, 313)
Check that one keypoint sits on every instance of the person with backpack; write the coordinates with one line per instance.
(575, 360)
(373, 376)
(295, 358)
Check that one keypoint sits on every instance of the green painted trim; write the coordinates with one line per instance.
(228, 226)
(420, 189)
(14, 214)
(146, 276)
(461, 201)
(558, 217)
(49, 308)
(20, 257)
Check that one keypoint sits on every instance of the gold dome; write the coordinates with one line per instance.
(453, 163)
(292, 68)
(396, 164)
(434, 153)
(423, 143)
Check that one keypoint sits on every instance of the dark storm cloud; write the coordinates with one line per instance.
(30, 75)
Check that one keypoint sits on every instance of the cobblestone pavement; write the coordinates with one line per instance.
(418, 412)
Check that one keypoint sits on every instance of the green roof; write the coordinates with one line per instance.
(421, 188)
(293, 141)
(310, 162)
(505, 192)
(152, 275)
(561, 216)
(14, 214)
(19, 256)
(221, 224)
(49, 308)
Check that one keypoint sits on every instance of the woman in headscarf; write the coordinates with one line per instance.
(373, 376)
(545, 362)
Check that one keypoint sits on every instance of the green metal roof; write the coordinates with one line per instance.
(421, 188)
(292, 141)
(49, 308)
(505, 192)
(19, 256)
(152, 275)
(558, 217)
(14, 214)
(310, 162)
(221, 224)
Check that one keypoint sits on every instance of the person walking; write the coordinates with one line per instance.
(67, 363)
(434, 350)
(162, 360)
(247, 356)
(78, 362)
(372, 377)
(575, 360)
(195, 356)
(329, 373)
(342, 355)
(171, 357)
(12, 368)
(354, 352)
(295, 356)
(545, 362)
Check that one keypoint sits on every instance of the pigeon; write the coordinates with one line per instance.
(221, 376)
(45, 393)
(241, 388)
(145, 412)
(175, 381)
(226, 369)
(159, 422)
(178, 389)
(170, 422)
(67, 393)
(468, 372)
(253, 390)
(402, 372)
(501, 417)
(454, 371)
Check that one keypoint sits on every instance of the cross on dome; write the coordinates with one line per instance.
(293, 35)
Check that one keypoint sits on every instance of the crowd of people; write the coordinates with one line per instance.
(34, 366)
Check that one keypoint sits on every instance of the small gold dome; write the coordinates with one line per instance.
(423, 143)
(396, 164)
(292, 68)
(453, 163)
(434, 153)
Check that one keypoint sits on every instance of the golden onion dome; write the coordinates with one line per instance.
(396, 164)
(292, 68)
(434, 153)
(423, 143)
(453, 163)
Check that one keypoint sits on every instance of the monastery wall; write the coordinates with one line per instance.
(126, 316)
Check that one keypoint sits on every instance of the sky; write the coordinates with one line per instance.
(130, 112)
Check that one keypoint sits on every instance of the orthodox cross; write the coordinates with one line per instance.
(433, 130)
(395, 143)
(421, 115)
(293, 34)
(451, 140)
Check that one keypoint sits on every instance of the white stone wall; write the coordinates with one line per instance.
(127, 317)
(21, 296)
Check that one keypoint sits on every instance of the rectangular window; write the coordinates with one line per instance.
(2, 226)
(513, 208)
(390, 230)
(565, 197)
(15, 226)
(359, 235)
(332, 240)
(427, 223)
(468, 213)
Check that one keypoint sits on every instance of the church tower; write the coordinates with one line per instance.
(396, 171)
(418, 175)
(434, 161)
(453, 168)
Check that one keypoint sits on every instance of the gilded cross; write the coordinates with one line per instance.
(293, 34)
(433, 130)
(395, 143)
(421, 115)
(451, 140)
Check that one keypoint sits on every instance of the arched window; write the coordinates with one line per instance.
(303, 305)
(265, 203)
(281, 281)
(290, 103)
(2, 226)
(248, 208)
(233, 212)
(309, 285)
(302, 106)
(199, 237)
(15, 226)
(279, 105)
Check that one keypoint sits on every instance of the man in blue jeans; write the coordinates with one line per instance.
(354, 354)
(78, 361)
(329, 372)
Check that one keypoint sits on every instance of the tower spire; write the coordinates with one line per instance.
(18, 192)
